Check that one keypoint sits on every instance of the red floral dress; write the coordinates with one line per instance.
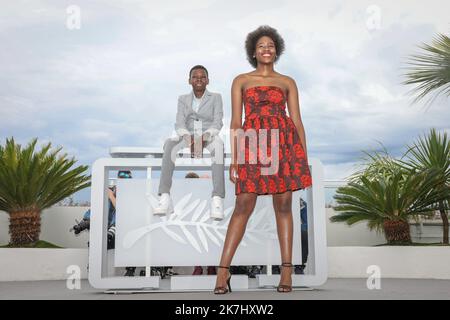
(265, 129)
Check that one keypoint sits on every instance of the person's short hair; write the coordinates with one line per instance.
(254, 36)
(198, 67)
(191, 175)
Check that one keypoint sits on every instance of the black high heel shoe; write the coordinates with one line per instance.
(224, 290)
(284, 287)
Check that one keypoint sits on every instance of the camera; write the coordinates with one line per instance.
(111, 237)
(82, 225)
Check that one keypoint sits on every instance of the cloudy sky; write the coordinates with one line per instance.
(115, 80)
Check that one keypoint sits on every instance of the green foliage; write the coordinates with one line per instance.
(428, 152)
(401, 196)
(388, 189)
(35, 180)
(430, 70)
(39, 244)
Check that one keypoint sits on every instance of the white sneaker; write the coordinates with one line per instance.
(216, 208)
(165, 205)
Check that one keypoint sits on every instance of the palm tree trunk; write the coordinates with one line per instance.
(397, 231)
(444, 218)
(24, 227)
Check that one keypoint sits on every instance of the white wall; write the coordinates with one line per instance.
(41, 264)
(57, 221)
(343, 262)
(413, 262)
(342, 235)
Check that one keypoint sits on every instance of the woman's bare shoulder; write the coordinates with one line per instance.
(286, 79)
(244, 76)
(288, 82)
(241, 79)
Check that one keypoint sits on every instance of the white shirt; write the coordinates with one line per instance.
(196, 102)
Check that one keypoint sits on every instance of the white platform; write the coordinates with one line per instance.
(239, 282)
(98, 276)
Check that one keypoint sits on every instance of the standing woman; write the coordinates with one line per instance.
(264, 94)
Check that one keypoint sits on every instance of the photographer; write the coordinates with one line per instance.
(85, 223)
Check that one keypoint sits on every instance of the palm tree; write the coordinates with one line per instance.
(433, 152)
(31, 181)
(430, 70)
(378, 164)
(388, 201)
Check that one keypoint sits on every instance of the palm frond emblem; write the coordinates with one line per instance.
(190, 225)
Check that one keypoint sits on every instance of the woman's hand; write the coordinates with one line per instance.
(233, 172)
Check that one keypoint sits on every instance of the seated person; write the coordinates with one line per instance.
(201, 111)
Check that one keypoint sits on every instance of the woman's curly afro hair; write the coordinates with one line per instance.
(254, 36)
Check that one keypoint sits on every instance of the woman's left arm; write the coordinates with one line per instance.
(294, 112)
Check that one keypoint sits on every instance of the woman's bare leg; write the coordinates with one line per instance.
(245, 203)
(282, 204)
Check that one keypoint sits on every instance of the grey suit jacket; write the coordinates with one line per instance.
(210, 113)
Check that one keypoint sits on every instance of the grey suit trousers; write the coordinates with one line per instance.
(216, 149)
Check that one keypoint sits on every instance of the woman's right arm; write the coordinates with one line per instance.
(236, 123)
